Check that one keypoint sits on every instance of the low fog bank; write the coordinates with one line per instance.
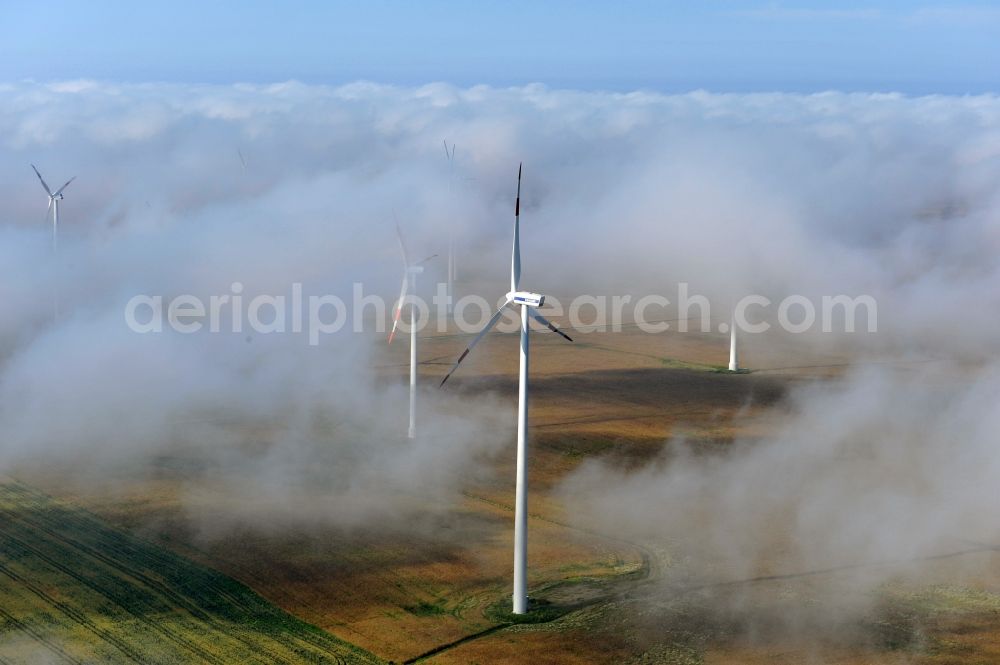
(884, 466)
(189, 189)
(278, 434)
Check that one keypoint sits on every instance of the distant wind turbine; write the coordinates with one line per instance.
(450, 156)
(734, 361)
(410, 273)
(54, 200)
(528, 302)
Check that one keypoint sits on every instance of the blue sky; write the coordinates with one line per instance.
(719, 45)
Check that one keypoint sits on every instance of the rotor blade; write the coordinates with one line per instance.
(243, 160)
(548, 324)
(64, 186)
(399, 305)
(515, 258)
(517, 202)
(482, 333)
(423, 261)
(446, 154)
(399, 238)
(48, 209)
(47, 190)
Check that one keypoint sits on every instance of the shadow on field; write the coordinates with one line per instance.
(663, 388)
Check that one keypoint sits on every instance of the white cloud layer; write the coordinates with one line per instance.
(772, 193)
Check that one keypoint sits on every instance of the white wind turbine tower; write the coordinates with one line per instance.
(450, 156)
(528, 302)
(410, 273)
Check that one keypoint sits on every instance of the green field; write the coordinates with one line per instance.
(73, 589)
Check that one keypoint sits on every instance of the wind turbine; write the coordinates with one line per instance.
(450, 156)
(734, 361)
(54, 200)
(528, 303)
(410, 273)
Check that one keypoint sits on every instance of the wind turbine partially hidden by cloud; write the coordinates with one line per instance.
(54, 199)
(734, 359)
(528, 303)
(410, 273)
(450, 156)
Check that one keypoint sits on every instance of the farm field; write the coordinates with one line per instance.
(406, 596)
(74, 590)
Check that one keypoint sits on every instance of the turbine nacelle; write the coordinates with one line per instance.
(526, 298)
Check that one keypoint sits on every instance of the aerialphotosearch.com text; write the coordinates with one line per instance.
(316, 316)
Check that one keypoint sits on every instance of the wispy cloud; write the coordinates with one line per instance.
(964, 15)
(780, 13)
